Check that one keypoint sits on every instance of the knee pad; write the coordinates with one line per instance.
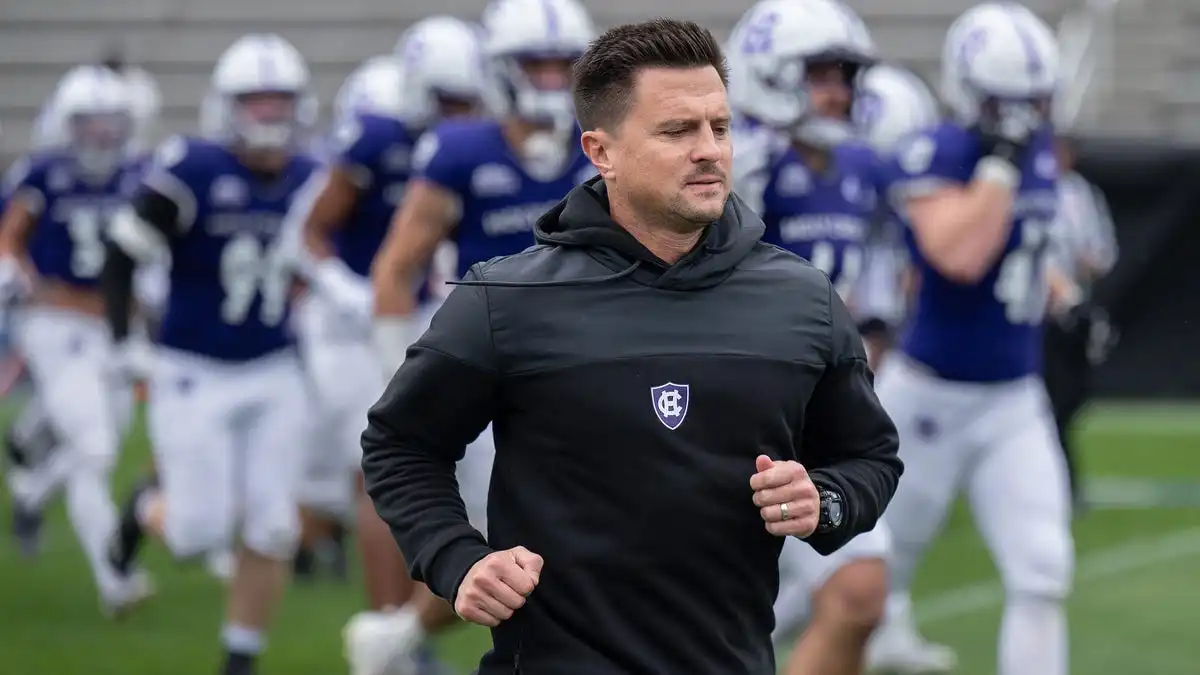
(330, 494)
(96, 451)
(272, 533)
(86, 461)
(1043, 568)
(191, 533)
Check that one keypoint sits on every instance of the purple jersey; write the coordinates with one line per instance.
(500, 200)
(376, 151)
(825, 217)
(229, 283)
(72, 212)
(988, 331)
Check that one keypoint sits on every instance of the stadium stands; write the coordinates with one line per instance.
(1157, 91)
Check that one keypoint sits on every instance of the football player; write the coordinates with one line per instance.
(977, 193)
(482, 184)
(227, 407)
(435, 74)
(37, 471)
(794, 74)
(336, 369)
(891, 104)
(52, 245)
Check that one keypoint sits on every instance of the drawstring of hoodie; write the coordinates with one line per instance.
(552, 283)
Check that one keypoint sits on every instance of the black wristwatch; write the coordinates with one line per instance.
(832, 510)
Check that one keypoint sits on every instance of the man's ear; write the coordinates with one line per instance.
(598, 146)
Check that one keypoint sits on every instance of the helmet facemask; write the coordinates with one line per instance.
(100, 140)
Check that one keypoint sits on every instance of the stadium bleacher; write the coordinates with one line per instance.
(1157, 91)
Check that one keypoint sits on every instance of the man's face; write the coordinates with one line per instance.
(548, 74)
(672, 152)
(829, 89)
(271, 118)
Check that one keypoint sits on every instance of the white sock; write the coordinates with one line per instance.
(94, 516)
(43, 481)
(408, 617)
(1033, 637)
(898, 613)
(239, 639)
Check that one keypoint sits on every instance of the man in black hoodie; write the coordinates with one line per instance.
(669, 398)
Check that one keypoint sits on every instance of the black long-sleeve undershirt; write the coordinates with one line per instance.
(116, 280)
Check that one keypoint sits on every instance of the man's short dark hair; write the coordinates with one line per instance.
(605, 74)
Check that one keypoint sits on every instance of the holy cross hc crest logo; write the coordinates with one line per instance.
(670, 402)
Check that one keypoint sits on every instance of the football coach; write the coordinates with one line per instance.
(670, 398)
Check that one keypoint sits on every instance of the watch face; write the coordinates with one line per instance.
(835, 512)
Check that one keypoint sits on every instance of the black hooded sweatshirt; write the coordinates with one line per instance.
(629, 399)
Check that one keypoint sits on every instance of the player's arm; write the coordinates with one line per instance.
(26, 200)
(321, 207)
(1104, 250)
(960, 229)
(331, 195)
(138, 234)
(425, 217)
(160, 210)
(849, 439)
(1065, 294)
(420, 428)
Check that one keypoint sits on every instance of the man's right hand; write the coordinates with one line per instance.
(1008, 132)
(497, 586)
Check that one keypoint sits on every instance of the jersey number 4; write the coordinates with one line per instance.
(1020, 285)
(824, 258)
(250, 268)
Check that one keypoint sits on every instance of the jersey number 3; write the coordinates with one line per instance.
(87, 244)
(250, 268)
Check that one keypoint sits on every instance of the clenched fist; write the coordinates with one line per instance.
(497, 586)
(786, 497)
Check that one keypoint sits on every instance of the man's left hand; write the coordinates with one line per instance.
(786, 497)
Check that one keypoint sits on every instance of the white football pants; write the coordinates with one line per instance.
(803, 571)
(996, 442)
(69, 356)
(229, 440)
(346, 379)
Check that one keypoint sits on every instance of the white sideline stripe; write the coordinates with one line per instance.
(1100, 565)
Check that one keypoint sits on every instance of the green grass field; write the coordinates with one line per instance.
(1136, 608)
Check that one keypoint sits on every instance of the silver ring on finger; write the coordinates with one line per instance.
(783, 511)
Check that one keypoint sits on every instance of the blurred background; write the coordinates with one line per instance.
(1137, 603)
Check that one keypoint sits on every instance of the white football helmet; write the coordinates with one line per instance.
(373, 87)
(997, 52)
(770, 51)
(42, 135)
(891, 104)
(147, 107)
(91, 115)
(443, 61)
(529, 45)
(260, 95)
